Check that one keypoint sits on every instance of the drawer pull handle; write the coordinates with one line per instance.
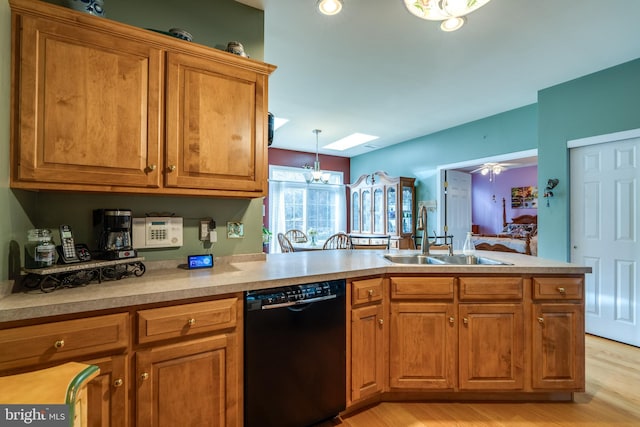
(144, 376)
(370, 292)
(59, 344)
(381, 322)
(118, 382)
(562, 291)
(465, 320)
(191, 322)
(451, 320)
(172, 168)
(152, 168)
(541, 319)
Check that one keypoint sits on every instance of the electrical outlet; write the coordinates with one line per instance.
(204, 230)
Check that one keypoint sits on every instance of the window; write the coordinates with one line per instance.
(294, 204)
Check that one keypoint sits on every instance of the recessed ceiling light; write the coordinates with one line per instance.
(350, 141)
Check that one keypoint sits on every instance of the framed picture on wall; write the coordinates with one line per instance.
(524, 197)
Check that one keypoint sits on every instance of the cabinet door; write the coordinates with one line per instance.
(355, 211)
(216, 125)
(407, 191)
(107, 393)
(422, 346)
(366, 210)
(378, 210)
(392, 211)
(367, 351)
(558, 347)
(195, 383)
(88, 108)
(491, 354)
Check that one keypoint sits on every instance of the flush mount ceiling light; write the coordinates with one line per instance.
(330, 7)
(450, 12)
(315, 174)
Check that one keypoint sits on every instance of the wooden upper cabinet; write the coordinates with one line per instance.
(88, 107)
(215, 114)
(102, 106)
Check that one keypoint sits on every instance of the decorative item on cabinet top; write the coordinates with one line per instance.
(92, 7)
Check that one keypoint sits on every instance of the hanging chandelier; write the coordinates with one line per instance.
(450, 12)
(314, 174)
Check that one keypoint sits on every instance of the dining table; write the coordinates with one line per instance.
(308, 246)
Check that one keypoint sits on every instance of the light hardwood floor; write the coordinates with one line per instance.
(612, 398)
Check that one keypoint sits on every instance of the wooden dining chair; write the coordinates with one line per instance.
(338, 241)
(296, 236)
(285, 244)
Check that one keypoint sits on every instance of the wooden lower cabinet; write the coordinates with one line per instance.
(423, 346)
(194, 383)
(367, 351)
(491, 352)
(108, 393)
(368, 347)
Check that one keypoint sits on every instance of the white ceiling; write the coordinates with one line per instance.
(377, 69)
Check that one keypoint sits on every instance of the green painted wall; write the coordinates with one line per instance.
(211, 23)
(603, 102)
(597, 104)
(513, 131)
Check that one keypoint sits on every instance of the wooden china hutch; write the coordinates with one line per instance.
(383, 210)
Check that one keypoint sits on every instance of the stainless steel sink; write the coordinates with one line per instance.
(442, 259)
(412, 259)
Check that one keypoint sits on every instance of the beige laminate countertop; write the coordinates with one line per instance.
(163, 281)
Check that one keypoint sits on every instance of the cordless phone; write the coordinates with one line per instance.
(67, 248)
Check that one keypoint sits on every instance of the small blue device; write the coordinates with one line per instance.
(200, 261)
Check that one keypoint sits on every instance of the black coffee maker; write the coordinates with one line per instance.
(112, 228)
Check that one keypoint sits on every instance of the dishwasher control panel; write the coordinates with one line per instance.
(293, 295)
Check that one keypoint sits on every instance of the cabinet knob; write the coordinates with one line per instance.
(144, 376)
(191, 322)
(451, 319)
(541, 319)
(562, 290)
(118, 382)
(151, 168)
(380, 321)
(172, 168)
(59, 344)
(465, 320)
(370, 292)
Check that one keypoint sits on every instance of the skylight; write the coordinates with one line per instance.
(350, 141)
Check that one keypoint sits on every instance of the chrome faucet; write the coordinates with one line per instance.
(424, 247)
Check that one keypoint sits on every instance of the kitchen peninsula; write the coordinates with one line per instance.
(432, 331)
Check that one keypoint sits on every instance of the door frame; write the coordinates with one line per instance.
(441, 169)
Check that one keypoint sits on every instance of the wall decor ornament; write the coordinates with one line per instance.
(92, 7)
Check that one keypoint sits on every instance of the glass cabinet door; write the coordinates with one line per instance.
(355, 212)
(407, 209)
(378, 210)
(366, 211)
(392, 207)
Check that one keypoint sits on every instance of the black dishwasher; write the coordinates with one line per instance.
(295, 354)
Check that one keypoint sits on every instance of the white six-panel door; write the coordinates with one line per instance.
(604, 235)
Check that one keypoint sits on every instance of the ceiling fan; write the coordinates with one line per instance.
(492, 169)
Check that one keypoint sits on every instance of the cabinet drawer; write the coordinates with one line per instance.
(491, 288)
(554, 288)
(38, 344)
(359, 241)
(366, 291)
(188, 319)
(422, 288)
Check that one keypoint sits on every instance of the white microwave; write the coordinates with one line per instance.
(157, 232)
